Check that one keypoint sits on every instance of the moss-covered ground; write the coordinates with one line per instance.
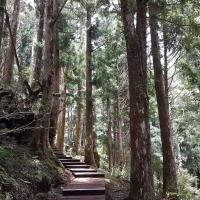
(28, 175)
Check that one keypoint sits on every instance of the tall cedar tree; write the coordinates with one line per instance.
(56, 78)
(39, 48)
(89, 153)
(119, 133)
(169, 166)
(2, 11)
(109, 136)
(78, 120)
(141, 186)
(62, 114)
(10, 52)
(48, 72)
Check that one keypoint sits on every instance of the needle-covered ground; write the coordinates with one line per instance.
(27, 175)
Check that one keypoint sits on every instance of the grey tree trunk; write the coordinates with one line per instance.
(109, 136)
(78, 120)
(2, 11)
(61, 121)
(48, 73)
(89, 153)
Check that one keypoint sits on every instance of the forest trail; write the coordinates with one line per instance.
(87, 183)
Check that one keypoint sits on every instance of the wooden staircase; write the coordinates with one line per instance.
(87, 182)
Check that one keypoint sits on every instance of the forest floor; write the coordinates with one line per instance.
(28, 175)
(31, 175)
(117, 189)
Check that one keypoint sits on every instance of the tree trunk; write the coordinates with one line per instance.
(2, 11)
(48, 72)
(115, 129)
(56, 79)
(165, 38)
(141, 186)
(78, 120)
(10, 52)
(119, 134)
(169, 165)
(39, 48)
(109, 136)
(89, 154)
(61, 121)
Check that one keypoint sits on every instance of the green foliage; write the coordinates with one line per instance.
(187, 186)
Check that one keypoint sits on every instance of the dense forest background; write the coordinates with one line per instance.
(117, 83)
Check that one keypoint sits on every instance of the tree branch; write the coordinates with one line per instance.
(13, 43)
(55, 20)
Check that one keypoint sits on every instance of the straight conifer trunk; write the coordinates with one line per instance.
(10, 52)
(56, 78)
(39, 48)
(109, 136)
(169, 165)
(48, 72)
(119, 134)
(78, 120)
(62, 121)
(141, 186)
(2, 11)
(89, 153)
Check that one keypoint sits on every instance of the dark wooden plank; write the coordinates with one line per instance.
(83, 191)
(77, 166)
(69, 160)
(73, 163)
(88, 174)
(92, 182)
(64, 157)
(82, 170)
(92, 197)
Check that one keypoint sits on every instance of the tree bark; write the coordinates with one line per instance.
(109, 136)
(2, 11)
(48, 72)
(78, 120)
(169, 165)
(56, 78)
(165, 38)
(10, 51)
(89, 153)
(61, 121)
(39, 47)
(115, 129)
(141, 186)
(119, 134)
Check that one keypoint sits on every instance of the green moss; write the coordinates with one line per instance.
(27, 172)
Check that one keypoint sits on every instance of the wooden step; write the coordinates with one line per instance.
(88, 175)
(91, 197)
(59, 154)
(63, 160)
(82, 170)
(73, 163)
(64, 157)
(77, 166)
(83, 191)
